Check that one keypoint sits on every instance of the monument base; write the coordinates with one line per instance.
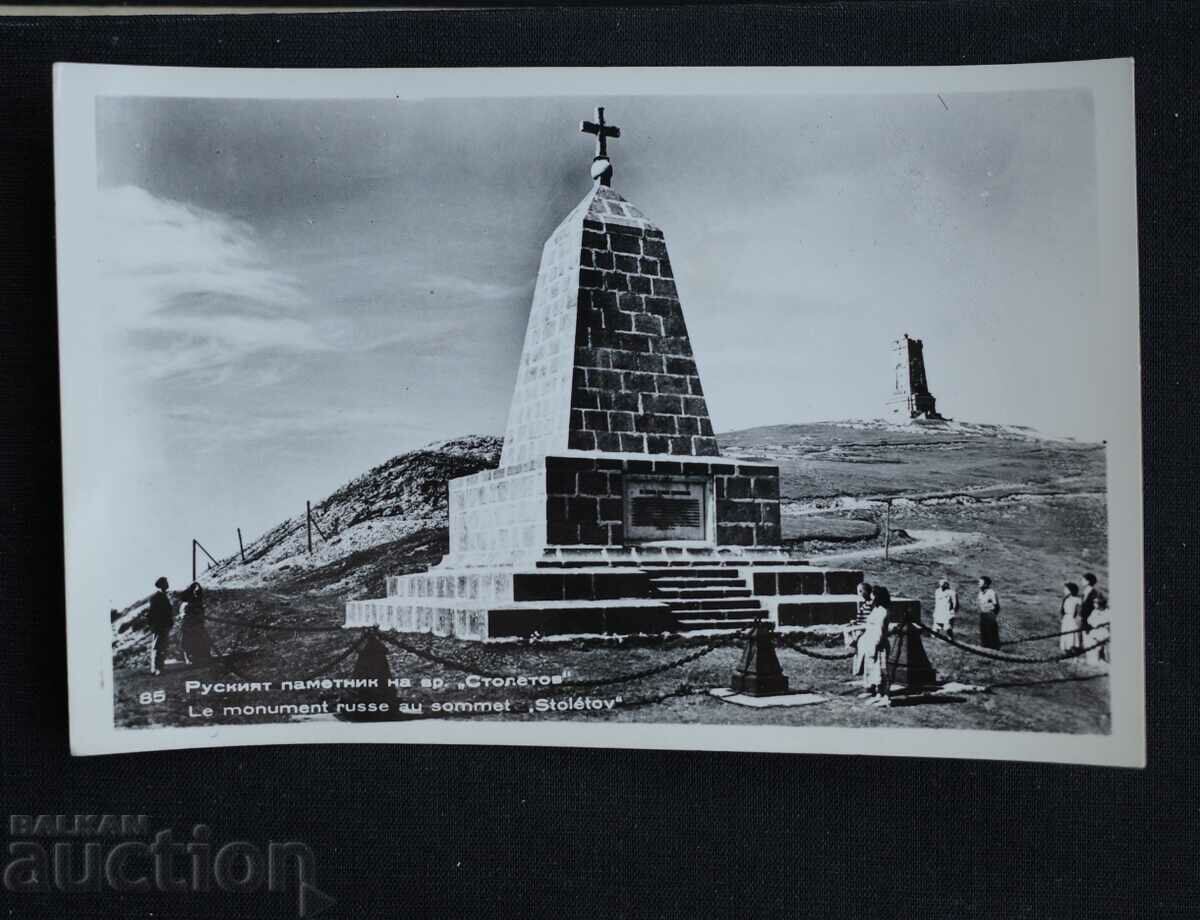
(627, 591)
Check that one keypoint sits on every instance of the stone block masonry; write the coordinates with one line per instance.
(539, 413)
(635, 387)
(509, 514)
(585, 498)
(497, 515)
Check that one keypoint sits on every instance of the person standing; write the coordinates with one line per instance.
(1089, 600)
(852, 633)
(989, 614)
(1101, 630)
(945, 608)
(194, 636)
(873, 644)
(1071, 624)
(160, 619)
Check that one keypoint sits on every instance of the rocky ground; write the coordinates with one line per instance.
(965, 500)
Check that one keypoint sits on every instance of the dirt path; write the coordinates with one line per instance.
(922, 539)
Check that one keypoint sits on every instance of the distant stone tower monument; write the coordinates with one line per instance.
(612, 510)
(912, 397)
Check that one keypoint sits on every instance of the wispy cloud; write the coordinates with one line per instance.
(469, 288)
(210, 425)
(431, 311)
(193, 290)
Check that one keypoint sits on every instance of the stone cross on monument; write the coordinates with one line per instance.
(602, 168)
(612, 509)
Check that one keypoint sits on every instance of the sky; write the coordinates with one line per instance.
(295, 291)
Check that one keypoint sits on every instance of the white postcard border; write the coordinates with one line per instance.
(89, 644)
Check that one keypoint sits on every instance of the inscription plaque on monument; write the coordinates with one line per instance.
(666, 509)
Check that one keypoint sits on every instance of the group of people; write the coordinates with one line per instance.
(160, 619)
(946, 607)
(1084, 616)
(1084, 620)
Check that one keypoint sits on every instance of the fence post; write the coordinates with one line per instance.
(241, 548)
(759, 673)
(308, 523)
(193, 560)
(887, 531)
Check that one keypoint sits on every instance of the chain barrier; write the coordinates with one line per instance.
(319, 671)
(335, 661)
(795, 647)
(223, 661)
(1010, 659)
(648, 672)
(1056, 635)
(706, 649)
(575, 683)
(276, 627)
(440, 659)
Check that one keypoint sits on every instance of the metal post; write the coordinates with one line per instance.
(308, 522)
(241, 548)
(193, 559)
(887, 530)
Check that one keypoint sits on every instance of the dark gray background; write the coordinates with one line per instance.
(416, 831)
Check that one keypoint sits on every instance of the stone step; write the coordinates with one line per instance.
(722, 603)
(567, 617)
(702, 593)
(690, 625)
(733, 563)
(676, 565)
(672, 577)
(669, 585)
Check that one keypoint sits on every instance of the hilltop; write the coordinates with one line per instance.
(834, 476)
(965, 500)
(387, 504)
(835, 479)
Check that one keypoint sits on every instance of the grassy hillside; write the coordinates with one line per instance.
(966, 500)
(827, 460)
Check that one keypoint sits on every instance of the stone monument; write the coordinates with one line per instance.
(912, 397)
(612, 510)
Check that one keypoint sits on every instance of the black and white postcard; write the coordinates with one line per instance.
(732, 409)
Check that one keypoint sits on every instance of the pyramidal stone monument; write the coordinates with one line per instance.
(612, 510)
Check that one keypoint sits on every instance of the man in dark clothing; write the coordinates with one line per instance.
(160, 619)
(989, 614)
(1089, 600)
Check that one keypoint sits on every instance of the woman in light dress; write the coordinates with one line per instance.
(945, 608)
(873, 644)
(1100, 621)
(1072, 619)
(852, 633)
